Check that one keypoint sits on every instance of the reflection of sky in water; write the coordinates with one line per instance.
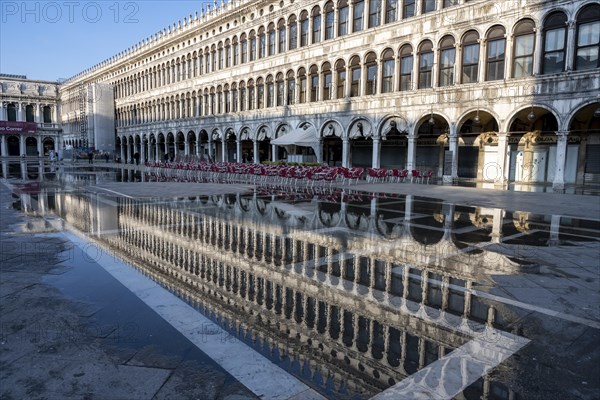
(351, 293)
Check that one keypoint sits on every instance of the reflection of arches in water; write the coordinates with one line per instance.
(329, 213)
(204, 199)
(230, 200)
(356, 221)
(261, 206)
(426, 235)
(281, 213)
(245, 203)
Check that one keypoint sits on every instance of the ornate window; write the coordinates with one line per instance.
(340, 70)
(447, 60)
(244, 46)
(304, 29)
(252, 44)
(406, 67)
(343, 17)
(374, 13)
(371, 64)
(272, 40)
(281, 30)
(270, 91)
(260, 93)
(357, 18)
(588, 38)
(227, 99)
(251, 95)
(280, 89)
(555, 41)
(291, 87)
(243, 98)
(262, 43)
(227, 54)
(327, 81)
(428, 6)
(355, 76)
(329, 21)
(391, 11)
(221, 56)
(408, 9)
(314, 83)
(302, 85)
(496, 48)
(235, 101)
(470, 57)
(236, 51)
(425, 64)
(293, 32)
(316, 28)
(524, 44)
(388, 64)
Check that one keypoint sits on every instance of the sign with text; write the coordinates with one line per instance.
(17, 127)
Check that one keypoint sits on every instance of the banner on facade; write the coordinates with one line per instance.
(17, 127)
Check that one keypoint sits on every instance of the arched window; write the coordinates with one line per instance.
(220, 55)
(235, 50)
(302, 85)
(291, 87)
(316, 28)
(340, 70)
(374, 13)
(219, 100)
(470, 57)
(235, 101)
(293, 26)
(524, 43)
(213, 106)
(342, 17)
(281, 35)
(214, 58)
(314, 83)
(425, 64)
(588, 38)
(329, 20)
(327, 81)
(260, 93)
(388, 64)
(270, 91)
(408, 9)
(555, 41)
(496, 46)
(304, 29)
(207, 60)
(252, 44)
(200, 66)
(280, 89)
(358, 17)
(391, 11)
(447, 59)
(244, 48)
(243, 98)
(227, 54)
(371, 64)
(406, 67)
(262, 43)
(251, 95)
(227, 99)
(354, 76)
(272, 41)
(428, 6)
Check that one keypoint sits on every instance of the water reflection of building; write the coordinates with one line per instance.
(352, 294)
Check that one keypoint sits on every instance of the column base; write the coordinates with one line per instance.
(558, 186)
(447, 179)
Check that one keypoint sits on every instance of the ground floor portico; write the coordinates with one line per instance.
(24, 139)
(534, 144)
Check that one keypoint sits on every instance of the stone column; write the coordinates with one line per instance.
(223, 149)
(570, 47)
(255, 151)
(411, 152)
(22, 147)
(122, 152)
(20, 109)
(54, 114)
(238, 150)
(500, 174)
(3, 149)
(40, 149)
(3, 111)
(345, 152)
(376, 153)
(497, 221)
(561, 158)
(453, 148)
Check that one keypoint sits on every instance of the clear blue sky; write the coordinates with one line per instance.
(49, 40)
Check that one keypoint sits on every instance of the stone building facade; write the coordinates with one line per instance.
(493, 91)
(28, 117)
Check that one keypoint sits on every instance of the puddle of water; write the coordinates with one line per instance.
(356, 294)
